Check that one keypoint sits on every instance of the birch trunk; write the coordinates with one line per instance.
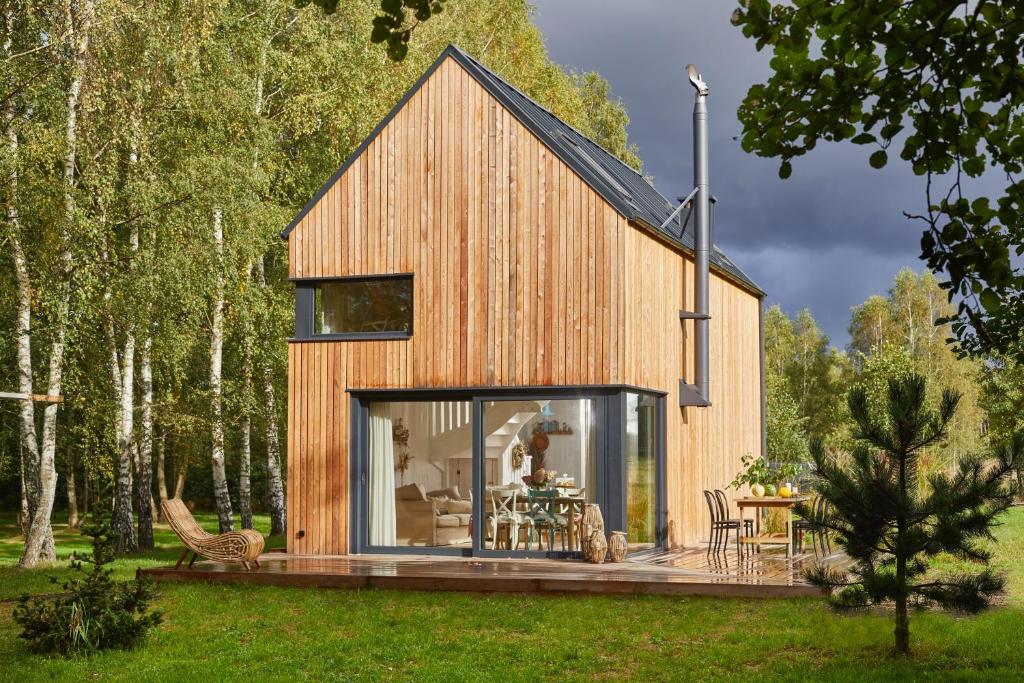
(245, 447)
(123, 524)
(123, 381)
(23, 515)
(29, 447)
(220, 482)
(275, 486)
(69, 480)
(161, 475)
(244, 478)
(39, 542)
(146, 446)
(179, 479)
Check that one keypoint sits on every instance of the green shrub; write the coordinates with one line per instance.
(93, 612)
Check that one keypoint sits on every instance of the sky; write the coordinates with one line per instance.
(827, 238)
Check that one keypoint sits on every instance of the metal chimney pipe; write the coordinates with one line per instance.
(702, 232)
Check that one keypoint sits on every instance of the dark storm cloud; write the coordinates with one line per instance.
(827, 238)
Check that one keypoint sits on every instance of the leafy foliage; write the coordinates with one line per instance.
(800, 362)
(939, 80)
(895, 335)
(889, 527)
(755, 471)
(393, 25)
(786, 434)
(93, 612)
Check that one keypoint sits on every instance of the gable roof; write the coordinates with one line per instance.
(627, 191)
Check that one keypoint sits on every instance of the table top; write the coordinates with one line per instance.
(769, 501)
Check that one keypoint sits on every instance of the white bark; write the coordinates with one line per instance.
(161, 474)
(245, 423)
(220, 482)
(69, 480)
(275, 486)
(146, 446)
(39, 542)
(29, 447)
(123, 379)
(244, 473)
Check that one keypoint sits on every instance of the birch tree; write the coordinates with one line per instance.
(76, 24)
(220, 480)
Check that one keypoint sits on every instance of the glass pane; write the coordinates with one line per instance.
(539, 470)
(420, 474)
(641, 471)
(353, 306)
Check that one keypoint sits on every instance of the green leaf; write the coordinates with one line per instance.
(785, 169)
(878, 159)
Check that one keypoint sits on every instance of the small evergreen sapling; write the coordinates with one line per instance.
(890, 527)
(93, 612)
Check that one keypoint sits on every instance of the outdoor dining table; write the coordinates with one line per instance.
(761, 502)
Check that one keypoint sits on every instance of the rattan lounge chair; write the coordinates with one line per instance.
(242, 546)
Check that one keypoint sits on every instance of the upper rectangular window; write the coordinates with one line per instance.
(363, 306)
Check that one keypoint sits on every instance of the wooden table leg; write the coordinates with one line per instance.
(570, 523)
(789, 533)
(757, 525)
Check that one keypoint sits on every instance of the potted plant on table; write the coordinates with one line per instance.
(755, 474)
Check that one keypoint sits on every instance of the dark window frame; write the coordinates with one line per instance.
(611, 443)
(305, 309)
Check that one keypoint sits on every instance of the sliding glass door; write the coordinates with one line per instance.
(539, 468)
(418, 474)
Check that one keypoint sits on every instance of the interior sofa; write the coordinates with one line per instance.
(434, 518)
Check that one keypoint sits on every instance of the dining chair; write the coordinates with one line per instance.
(721, 524)
(543, 514)
(504, 513)
(723, 505)
(568, 510)
(819, 537)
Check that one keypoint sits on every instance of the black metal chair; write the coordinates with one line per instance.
(722, 524)
(819, 537)
(723, 506)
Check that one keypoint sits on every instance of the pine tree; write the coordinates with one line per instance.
(890, 527)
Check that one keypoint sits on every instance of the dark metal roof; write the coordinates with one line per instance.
(630, 193)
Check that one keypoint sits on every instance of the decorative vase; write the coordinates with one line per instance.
(597, 547)
(786, 490)
(617, 546)
(770, 490)
(591, 520)
(757, 490)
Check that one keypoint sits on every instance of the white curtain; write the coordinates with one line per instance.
(382, 477)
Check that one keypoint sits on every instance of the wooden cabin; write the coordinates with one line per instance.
(482, 292)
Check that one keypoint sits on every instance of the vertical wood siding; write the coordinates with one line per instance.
(522, 275)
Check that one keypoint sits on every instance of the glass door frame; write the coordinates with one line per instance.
(610, 460)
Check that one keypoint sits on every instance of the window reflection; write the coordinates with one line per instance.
(641, 471)
(372, 305)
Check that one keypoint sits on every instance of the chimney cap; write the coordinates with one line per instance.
(696, 80)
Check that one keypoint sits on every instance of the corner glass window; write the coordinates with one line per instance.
(363, 306)
(641, 471)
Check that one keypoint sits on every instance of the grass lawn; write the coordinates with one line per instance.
(249, 633)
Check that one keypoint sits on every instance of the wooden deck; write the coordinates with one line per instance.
(678, 572)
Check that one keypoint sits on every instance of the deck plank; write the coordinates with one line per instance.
(678, 572)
